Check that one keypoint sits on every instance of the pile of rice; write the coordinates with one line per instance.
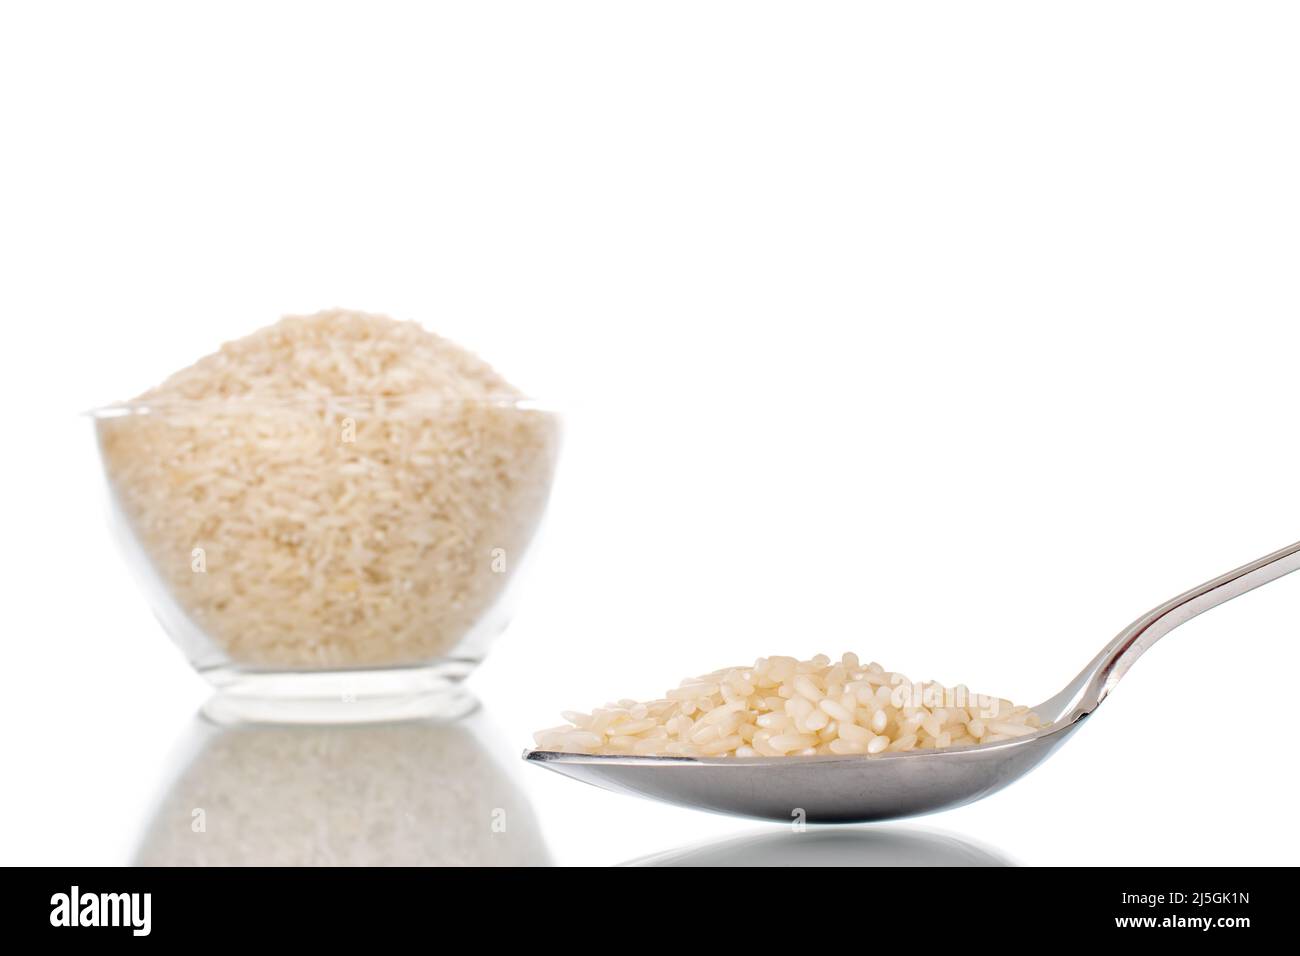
(337, 490)
(786, 707)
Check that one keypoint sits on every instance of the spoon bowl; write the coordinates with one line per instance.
(861, 789)
(817, 789)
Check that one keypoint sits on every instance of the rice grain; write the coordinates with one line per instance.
(348, 480)
(785, 707)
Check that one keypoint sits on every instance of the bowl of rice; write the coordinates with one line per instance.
(334, 506)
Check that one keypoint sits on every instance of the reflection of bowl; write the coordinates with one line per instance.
(369, 538)
(409, 793)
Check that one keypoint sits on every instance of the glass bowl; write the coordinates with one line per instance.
(329, 548)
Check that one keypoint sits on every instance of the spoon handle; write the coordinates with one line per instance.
(1098, 679)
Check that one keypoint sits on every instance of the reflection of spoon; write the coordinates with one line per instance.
(856, 789)
(886, 846)
(411, 793)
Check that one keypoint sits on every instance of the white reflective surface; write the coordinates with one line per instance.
(413, 793)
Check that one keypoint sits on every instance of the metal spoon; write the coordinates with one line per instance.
(832, 789)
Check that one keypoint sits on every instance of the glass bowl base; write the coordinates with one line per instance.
(339, 696)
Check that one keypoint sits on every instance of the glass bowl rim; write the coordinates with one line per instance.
(366, 404)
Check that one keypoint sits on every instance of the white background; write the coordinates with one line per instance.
(956, 334)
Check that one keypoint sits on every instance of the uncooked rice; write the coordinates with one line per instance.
(786, 707)
(357, 491)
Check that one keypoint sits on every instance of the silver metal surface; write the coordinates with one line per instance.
(861, 789)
